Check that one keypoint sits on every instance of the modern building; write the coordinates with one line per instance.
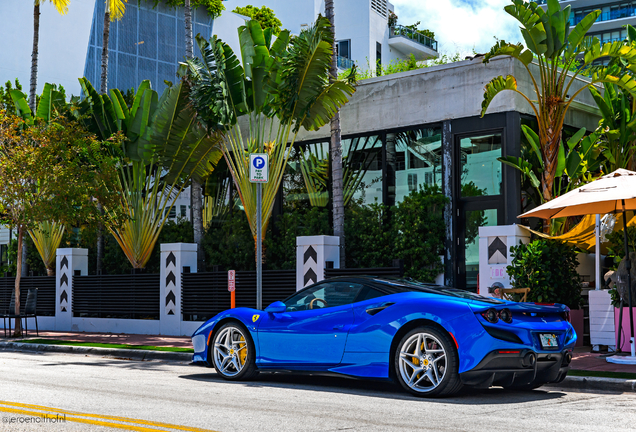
(423, 127)
(362, 30)
(609, 27)
(148, 42)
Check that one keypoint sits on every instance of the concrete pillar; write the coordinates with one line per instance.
(312, 252)
(174, 257)
(68, 262)
(494, 254)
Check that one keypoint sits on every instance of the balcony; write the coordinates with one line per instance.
(409, 41)
(344, 63)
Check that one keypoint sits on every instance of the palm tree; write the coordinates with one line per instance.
(115, 10)
(196, 190)
(335, 149)
(165, 147)
(62, 8)
(281, 86)
(562, 54)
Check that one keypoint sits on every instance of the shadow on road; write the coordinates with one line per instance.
(379, 389)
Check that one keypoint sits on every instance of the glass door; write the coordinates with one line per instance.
(480, 200)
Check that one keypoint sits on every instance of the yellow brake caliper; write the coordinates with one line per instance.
(243, 351)
(416, 361)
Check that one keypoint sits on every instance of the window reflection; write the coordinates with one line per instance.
(474, 220)
(362, 169)
(480, 169)
(416, 159)
(307, 176)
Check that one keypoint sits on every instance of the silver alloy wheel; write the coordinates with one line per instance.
(230, 351)
(422, 362)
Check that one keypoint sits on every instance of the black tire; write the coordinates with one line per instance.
(443, 369)
(232, 355)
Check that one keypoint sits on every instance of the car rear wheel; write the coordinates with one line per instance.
(233, 352)
(426, 363)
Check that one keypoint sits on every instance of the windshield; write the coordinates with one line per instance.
(402, 285)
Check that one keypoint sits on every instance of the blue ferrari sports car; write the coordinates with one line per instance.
(431, 339)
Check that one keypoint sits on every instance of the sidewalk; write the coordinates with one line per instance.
(110, 338)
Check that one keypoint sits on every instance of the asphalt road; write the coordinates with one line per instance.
(97, 393)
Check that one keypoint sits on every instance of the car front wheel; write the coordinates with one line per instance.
(233, 352)
(426, 363)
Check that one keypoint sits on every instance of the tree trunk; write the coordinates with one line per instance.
(188, 29)
(103, 88)
(335, 150)
(50, 272)
(100, 243)
(18, 277)
(196, 203)
(34, 57)
(196, 190)
(22, 249)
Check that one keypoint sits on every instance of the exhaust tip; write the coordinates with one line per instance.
(529, 360)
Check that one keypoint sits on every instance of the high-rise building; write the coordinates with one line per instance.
(610, 25)
(148, 42)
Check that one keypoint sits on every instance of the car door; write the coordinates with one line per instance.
(312, 332)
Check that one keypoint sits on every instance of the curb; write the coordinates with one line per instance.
(596, 384)
(111, 352)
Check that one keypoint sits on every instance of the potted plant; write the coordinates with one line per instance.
(548, 268)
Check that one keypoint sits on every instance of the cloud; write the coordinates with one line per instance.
(461, 25)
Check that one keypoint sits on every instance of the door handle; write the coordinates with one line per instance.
(375, 309)
(343, 327)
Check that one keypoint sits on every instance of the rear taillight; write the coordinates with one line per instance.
(566, 316)
(490, 315)
(505, 316)
(493, 315)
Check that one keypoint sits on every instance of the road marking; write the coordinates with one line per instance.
(77, 417)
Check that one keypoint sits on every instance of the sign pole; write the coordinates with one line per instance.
(259, 246)
(259, 174)
(231, 287)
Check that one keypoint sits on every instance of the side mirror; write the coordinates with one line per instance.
(276, 307)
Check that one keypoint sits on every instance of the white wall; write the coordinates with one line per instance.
(62, 47)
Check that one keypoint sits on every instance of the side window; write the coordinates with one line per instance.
(369, 293)
(328, 294)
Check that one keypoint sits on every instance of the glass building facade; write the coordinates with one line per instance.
(385, 167)
(147, 43)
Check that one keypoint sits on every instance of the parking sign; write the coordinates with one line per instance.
(259, 168)
(231, 280)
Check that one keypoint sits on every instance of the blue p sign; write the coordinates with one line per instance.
(259, 162)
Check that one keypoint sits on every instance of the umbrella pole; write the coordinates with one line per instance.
(628, 266)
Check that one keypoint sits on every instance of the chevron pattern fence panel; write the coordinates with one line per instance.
(204, 295)
(133, 296)
(46, 293)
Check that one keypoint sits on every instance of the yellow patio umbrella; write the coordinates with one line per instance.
(611, 193)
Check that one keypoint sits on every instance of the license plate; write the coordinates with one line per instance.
(548, 340)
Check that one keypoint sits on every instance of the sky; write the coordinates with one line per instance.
(461, 25)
